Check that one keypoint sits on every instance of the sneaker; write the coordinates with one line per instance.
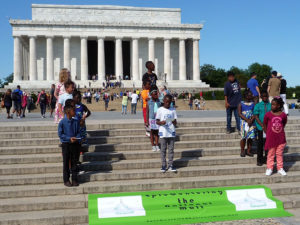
(163, 169)
(172, 168)
(153, 148)
(42, 117)
(282, 172)
(12, 116)
(269, 172)
(19, 117)
(228, 132)
(157, 148)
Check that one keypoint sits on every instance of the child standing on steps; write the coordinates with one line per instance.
(145, 98)
(166, 119)
(248, 130)
(82, 112)
(260, 111)
(274, 123)
(152, 107)
(69, 134)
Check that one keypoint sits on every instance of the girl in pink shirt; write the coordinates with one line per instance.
(274, 123)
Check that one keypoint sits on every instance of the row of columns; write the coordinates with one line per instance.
(101, 58)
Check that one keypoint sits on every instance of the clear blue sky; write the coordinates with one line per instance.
(235, 33)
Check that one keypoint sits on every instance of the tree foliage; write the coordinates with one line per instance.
(6, 80)
(216, 77)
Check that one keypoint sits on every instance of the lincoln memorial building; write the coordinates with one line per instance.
(98, 41)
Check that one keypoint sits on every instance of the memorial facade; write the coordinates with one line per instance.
(97, 41)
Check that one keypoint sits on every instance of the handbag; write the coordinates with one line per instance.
(2, 103)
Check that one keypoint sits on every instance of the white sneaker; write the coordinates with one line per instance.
(282, 172)
(269, 172)
(157, 148)
(153, 148)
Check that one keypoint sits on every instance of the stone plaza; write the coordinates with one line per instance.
(94, 42)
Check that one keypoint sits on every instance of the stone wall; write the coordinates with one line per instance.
(105, 14)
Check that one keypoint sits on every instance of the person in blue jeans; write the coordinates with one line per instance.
(233, 97)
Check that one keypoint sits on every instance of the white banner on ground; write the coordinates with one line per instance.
(112, 207)
(250, 199)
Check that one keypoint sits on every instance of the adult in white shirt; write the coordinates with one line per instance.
(134, 98)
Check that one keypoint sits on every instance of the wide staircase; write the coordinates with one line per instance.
(120, 160)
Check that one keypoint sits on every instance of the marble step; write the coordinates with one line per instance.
(122, 132)
(149, 173)
(128, 155)
(126, 125)
(19, 169)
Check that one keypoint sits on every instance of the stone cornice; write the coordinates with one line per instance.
(110, 7)
(51, 23)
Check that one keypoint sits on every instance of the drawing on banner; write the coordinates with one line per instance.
(111, 207)
(250, 199)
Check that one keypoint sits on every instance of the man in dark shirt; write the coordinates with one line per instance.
(149, 75)
(233, 97)
(283, 93)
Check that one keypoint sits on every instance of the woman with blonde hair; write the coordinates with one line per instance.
(64, 76)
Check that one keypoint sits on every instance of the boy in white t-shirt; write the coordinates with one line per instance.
(166, 119)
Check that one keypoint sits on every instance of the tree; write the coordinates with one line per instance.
(262, 71)
(9, 79)
(216, 78)
(206, 70)
(6, 80)
(241, 75)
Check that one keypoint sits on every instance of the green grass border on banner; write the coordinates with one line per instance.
(243, 215)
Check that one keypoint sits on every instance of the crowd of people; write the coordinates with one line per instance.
(261, 114)
(263, 120)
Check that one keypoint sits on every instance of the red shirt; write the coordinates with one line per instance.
(275, 129)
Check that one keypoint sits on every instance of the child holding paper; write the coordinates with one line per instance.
(166, 119)
(245, 110)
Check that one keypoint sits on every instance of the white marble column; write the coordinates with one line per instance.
(151, 49)
(101, 59)
(182, 60)
(17, 58)
(50, 64)
(67, 60)
(196, 63)
(84, 59)
(135, 59)
(32, 58)
(119, 58)
(167, 59)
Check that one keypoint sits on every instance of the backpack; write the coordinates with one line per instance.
(15, 96)
(43, 98)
